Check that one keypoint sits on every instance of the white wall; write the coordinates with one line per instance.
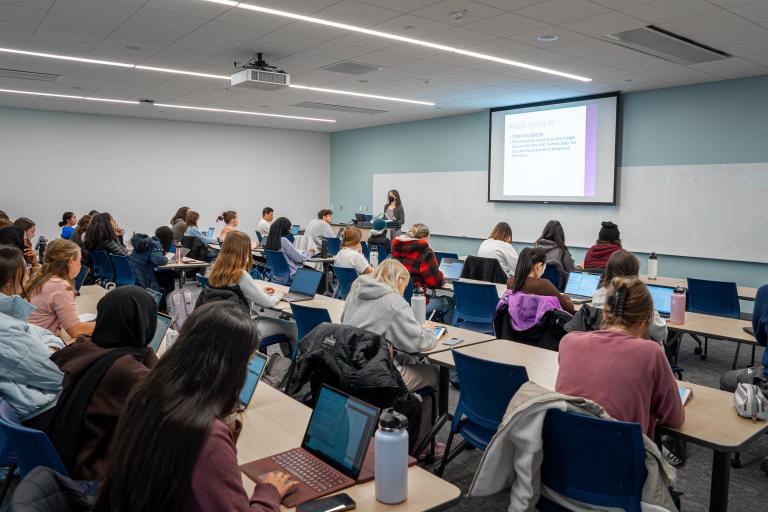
(142, 170)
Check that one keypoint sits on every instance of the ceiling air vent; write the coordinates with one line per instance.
(666, 45)
(28, 75)
(352, 68)
(339, 108)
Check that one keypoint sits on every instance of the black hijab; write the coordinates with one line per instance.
(12, 235)
(280, 228)
(165, 235)
(126, 317)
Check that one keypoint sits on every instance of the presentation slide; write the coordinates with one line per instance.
(558, 152)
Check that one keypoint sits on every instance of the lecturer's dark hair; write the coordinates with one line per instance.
(529, 258)
(170, 411)
(395, 193)
(553, 231)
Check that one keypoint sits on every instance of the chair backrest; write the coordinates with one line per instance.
(123, 271)
(408, 293)
(31, 448)
(483, 269)
(334, 245)
(552, 274)
(346, 277)
(307, 318)
(279, 270)
(477, 377)
(382, 252)
(718, 298)
(366, 250)
(475, 302)
(81, 277)
(440, 255)
(290, 237)
(103, 265)
(592, 460)
(202, 280)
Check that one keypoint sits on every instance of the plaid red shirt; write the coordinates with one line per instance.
(418, 257)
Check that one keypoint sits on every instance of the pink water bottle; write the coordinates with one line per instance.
(677, 308)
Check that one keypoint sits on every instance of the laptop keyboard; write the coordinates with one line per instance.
(311, 471)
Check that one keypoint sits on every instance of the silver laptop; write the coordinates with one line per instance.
(451, 268)
(662, 298)
(163, 322)
(304, 285)
(581, 286)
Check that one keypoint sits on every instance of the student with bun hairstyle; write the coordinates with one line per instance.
(617, 368)
(608, 242)
(230, 219)
(67, 224)
(527, 278)
(351, 253)
(499, 246)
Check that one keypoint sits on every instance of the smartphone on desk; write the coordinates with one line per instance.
(452, 341)
(336, 503)
(440, 331)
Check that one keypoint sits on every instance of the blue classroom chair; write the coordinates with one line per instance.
(103, 267)
(280, 272)
(123, 271)
(479, 412)
(346, 277)
(408, 293)
(592, 460)
(552, 274)
(334, 245)
(475, 306)
(366, 250)
(306, 318)
(382, 252)
(202, 281)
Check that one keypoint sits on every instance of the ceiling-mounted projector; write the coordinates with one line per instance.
(257, 74)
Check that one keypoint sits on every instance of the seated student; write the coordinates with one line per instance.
(351, 253)
(101, 236)
(413, 251)
(232, 268)
(166, 278)
(319, 228)
(99, 372)
(379, 235)
(552, 241)
(30, 382)
(67, 224)
(4, 219)
(79, 232)
(147, 254)
(759, 374)
(52, 290)
(628, 375)
(499, 246)
(179, 224)
(267, 214)
(625, 264)
(230, 219)
(192, 229)
(608, 242)
(14, 236)
(277, 241)
(527, 278)
(375, 303)
(174, 448)
(29, 227)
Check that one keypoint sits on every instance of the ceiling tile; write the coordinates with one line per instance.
(664, 10)
(338, 50)
(154, 19)
(356, 13)
(756, 12)
(33, 4)
(704, 23)
(154, 37)
(510, 5)
(469, 11)
(66, 22)
(560, 11)
(602, 24)
(620, 4)
(461, 37)
(731, 68)
(277, 45)
(565, 37)
(418, 28)
(196, 8)
(506, 25)
(727, 39)
(586, 47)
(380, 58)
(402, 6)
(19, 15)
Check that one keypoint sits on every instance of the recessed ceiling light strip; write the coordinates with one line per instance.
(395, 37)
(186, 107)
(202, 75)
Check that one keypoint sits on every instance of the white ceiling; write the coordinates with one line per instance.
(205, 37)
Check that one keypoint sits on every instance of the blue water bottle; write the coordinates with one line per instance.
(391, 468)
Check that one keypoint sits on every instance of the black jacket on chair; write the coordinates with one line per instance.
(483, 269)
(197, 248)
(45, 490)
(547, 333)
(231, 294)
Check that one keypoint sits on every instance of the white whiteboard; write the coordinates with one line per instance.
(707, 211)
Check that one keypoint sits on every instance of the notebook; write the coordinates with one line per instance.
(163, 322)
(662, 298)
(304, 285)
(451, 268)
(581, 286)
(255, 371)
(332, 453)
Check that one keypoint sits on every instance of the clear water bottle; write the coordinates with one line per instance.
(374, 257)
(677, 307)
(391, 465)
(419, 305)
(653, 266)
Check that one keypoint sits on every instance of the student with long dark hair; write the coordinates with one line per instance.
(14, 236)
(79, 232)
(67, 224)
(552, 241)
(101, 236)
(499, 246)
(179, 223)
(277, 241)
(527, 279)
(174, 449)
(28, 225)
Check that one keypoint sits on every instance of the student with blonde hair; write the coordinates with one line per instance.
(351, 253)
(375, 303)
(52, 290)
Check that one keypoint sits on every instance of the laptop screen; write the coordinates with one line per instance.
(295, 229)
(255, 369)
(163, 321)
(306, 281)
(339, 430)
(451, 268)
(582, 284)
(210, 233)
(662, 298)
(80, 279)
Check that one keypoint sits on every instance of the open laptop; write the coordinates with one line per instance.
(255, 371)
(451, 268)
(581, 286)
(211, 231)
(662, 298)
(304, 285)
(295, 229)
(163, 322)
(80, 279)
(333, 450)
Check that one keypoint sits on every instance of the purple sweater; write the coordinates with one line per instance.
(216, 481)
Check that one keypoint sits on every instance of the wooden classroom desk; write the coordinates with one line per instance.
(181, 268)
(731, 329)
(275, 422)
(89, 297)
(500, 288)
(745, 292)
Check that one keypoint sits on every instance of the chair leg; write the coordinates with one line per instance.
(7, 481)
(752, 360)
(736, 356)
(448, 456)
(706, 348)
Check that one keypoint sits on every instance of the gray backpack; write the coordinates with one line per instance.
(180, 305)
(750, 402)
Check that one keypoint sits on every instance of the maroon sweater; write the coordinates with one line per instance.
(630, 377)
(216, 481)
(597, 255)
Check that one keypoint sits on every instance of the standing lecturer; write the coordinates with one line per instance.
(393, 211)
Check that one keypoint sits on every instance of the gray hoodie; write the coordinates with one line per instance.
(377, 308)
(555, 254)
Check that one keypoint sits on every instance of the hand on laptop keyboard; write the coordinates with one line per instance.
(281, 481)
